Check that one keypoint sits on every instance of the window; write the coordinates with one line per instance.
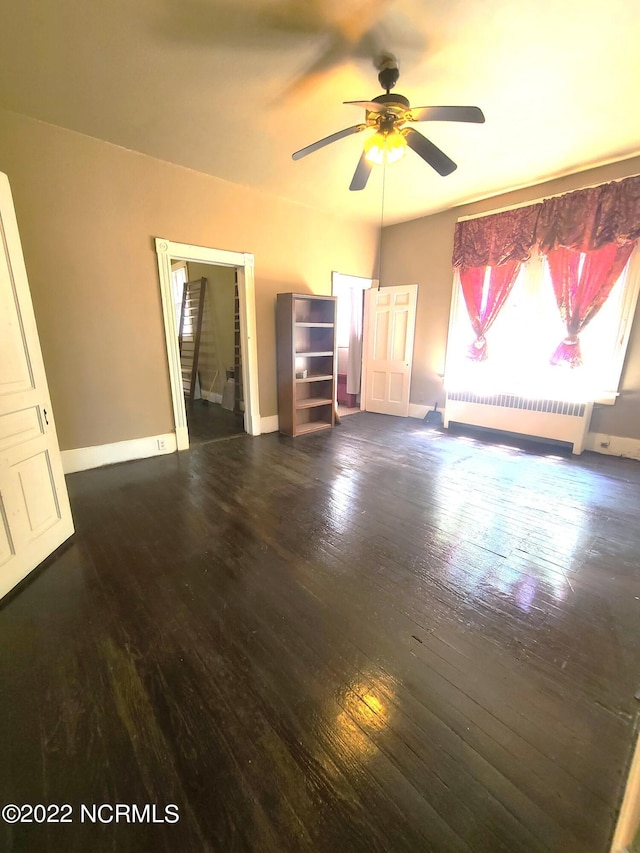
(178, 280)
(343, 319)
(528, 330)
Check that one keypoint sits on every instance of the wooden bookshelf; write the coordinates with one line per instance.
(306, 353)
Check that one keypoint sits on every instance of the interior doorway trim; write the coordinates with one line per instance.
(167, 251)
(341, 283)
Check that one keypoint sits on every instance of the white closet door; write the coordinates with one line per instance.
(35, 516)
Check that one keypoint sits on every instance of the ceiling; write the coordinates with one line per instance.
(232, 87)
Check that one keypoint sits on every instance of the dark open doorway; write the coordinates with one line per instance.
(208, 327)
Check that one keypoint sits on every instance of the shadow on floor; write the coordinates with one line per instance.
(343, 411)
(209, 421)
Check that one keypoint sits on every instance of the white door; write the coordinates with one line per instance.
(34, 508)
(390, 314)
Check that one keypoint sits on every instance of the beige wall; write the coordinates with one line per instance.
(419, 252)
(88, 212)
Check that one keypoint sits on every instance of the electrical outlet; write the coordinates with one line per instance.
(162, 444)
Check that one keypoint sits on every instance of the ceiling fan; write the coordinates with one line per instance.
(389, 114)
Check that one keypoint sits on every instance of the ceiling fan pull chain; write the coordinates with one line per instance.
(384, 176)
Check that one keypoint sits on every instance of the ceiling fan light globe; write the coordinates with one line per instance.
(385, 147)
(374, 149)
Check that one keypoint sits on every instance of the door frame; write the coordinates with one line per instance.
(167, 251)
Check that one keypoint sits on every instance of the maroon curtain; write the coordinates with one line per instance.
(500, 283)
(499, 242)
(581, 294)
(591, 218)
(618, 218)
(602, 221)
(568, 220)
(494, 240)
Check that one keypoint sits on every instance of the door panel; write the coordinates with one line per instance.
(378, 386)
(397, 387)
(39, 501)
(15, 375)
(35, 516)
(391, 315)
(16, 427)
(380, 334)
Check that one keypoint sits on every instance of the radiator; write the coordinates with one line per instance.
(559, 420)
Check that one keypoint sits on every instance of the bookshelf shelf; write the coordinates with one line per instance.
(306, 343)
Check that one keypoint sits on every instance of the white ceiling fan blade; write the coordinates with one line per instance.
(429, 152)
(471, 114)
(309, 149)
(361, 174)
(367, 105)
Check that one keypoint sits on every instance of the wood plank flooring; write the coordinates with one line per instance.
(210, 422)
(378, 638)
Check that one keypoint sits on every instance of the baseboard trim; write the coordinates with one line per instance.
(269, 424)
(182, 438)
(613, 445)
(84, 458)
(628, 825)
(211, 397)
(418, 410)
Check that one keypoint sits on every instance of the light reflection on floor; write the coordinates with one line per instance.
(365, 710)
(489, 553)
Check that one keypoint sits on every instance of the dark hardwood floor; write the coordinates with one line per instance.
(210, 422)
(376, 638)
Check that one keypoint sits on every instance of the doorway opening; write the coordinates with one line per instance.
(349, 291)
(209, 316)
(205, 298)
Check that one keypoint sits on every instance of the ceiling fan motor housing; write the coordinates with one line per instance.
(395, 106)
(393, 101)
(388, 77)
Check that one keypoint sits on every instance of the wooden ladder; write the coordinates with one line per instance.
(190, 333)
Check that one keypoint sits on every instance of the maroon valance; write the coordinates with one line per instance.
(584, 220)
(497, 239)
(618, 218)
(589, 219)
